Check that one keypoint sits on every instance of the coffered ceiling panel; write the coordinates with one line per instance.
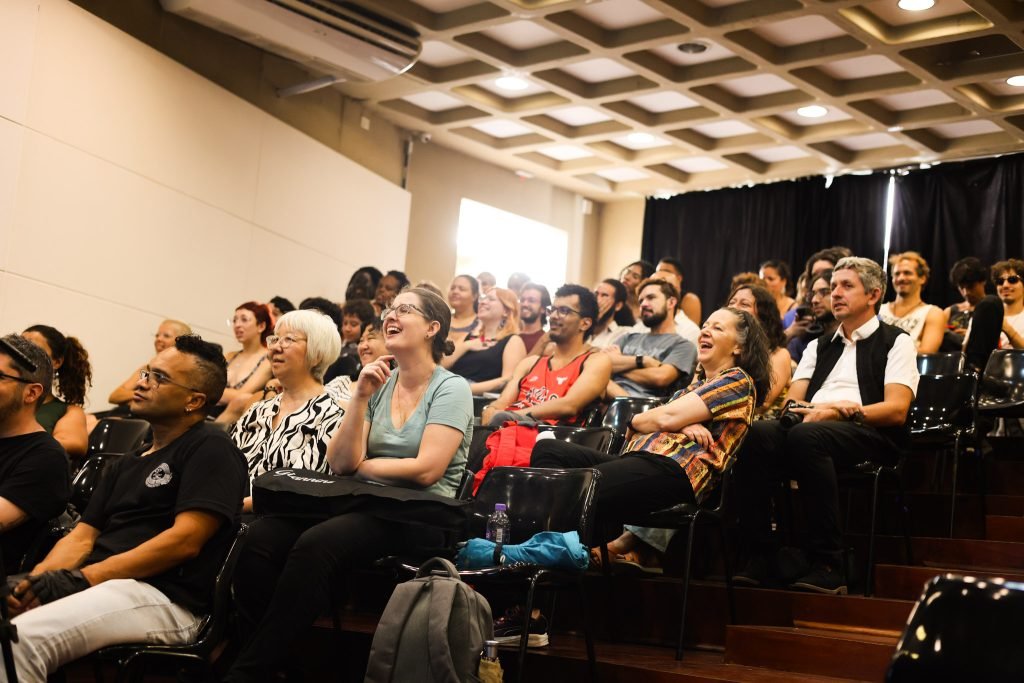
(610, 98)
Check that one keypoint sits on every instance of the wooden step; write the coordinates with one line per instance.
(944, 552)
(811, 651)
(1004, 528)
(1001, 504)
(901, 582)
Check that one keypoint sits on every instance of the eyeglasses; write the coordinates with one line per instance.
(402, 309)
(285, 341)
(1009, 279)
(13, 378)
(160, 379)
(560, 311)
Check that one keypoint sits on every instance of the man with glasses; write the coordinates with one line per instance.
(557, 388)
(34, 483)
(651, 363)
(534, 302)
(141, 563)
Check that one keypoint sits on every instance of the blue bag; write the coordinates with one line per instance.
(548, 549)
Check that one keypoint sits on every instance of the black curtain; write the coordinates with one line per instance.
(947, 212)
(718, 234)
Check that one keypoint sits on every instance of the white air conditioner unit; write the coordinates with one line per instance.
(337, 37)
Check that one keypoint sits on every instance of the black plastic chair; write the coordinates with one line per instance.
(941, 415)
(538, 500)
(1001, 389)
(119, 436)
(690, 516)
(962, 629)
(130, 659)
(477, 450)
(598, 438)
(87, 479)
(620, 411)
(940, 363)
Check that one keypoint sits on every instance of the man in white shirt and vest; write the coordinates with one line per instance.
(859, 384)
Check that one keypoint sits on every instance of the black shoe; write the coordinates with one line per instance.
(822, 579)
(509, 628)
(756, 574)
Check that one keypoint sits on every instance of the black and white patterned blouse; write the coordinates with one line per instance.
(300, 439)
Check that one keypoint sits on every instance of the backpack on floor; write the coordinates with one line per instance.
(432, 630)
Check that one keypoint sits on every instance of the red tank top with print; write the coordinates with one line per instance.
(542, 384)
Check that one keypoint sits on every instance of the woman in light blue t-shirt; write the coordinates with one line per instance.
(408, 426)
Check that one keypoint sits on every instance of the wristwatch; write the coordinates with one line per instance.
(639, 362)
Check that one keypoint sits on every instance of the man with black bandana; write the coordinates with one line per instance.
(34, 482)
(140, 566)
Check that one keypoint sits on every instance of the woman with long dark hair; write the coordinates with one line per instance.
(406, 427)
(763, 305)
(631, 277)
(777, 278)
(678, 452)
(62, 413)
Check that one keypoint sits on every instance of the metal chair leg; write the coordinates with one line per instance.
(905, 516)
(525, 637)
(686, 584)
(870, 573)
(588, 635)
(730, 596)
(952, 497)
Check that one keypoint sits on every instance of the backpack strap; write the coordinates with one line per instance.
(442, 564)
(384, 648)
(442, 598)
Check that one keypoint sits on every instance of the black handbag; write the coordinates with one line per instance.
(314, 495)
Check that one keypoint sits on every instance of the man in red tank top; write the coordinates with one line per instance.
(557, 388)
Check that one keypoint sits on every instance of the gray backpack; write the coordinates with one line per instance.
(432, 630)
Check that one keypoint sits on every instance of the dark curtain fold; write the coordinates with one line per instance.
(718, 234)
(947, 212)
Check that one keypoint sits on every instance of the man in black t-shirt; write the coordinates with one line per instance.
(34, 483)
(140, 566)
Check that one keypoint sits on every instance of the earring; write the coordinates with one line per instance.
(188, 410)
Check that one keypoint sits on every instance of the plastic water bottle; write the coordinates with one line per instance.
(498, 527)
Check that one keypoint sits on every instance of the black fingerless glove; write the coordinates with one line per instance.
(57, 584)
(13, 580)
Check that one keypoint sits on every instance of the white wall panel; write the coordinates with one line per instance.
(11, 136)
(17, 45)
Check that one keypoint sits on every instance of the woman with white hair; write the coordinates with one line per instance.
(293, 428)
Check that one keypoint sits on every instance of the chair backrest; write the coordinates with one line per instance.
(940, 363)
(943, 402)
(477, 452)
(962, 629)
(88, 478)
(538, 500)
(118, 436)
(214, 629)
(1003, 379)
(598, 438)
(465, 489)
(620, 411)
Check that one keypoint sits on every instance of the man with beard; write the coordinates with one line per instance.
(141, 564)
(557, 388)
(684, 327)
(924, 323)
(650, 363)
(611, 299)
(534, 300)
(34, 485)
(820, 322)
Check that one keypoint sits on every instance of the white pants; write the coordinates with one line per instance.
(114, 612)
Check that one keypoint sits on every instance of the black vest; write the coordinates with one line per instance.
(872, 355)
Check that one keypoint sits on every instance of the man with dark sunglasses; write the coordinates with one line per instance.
(34, 481)
(1006, 276)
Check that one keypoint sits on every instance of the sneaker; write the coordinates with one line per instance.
(509, 628)
(756, 574)
(822, 579)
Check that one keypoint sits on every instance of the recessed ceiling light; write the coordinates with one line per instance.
(640, 138)
(694, 47)
(1017, 81)
(916, 5)
(512, 83)
(812, 111)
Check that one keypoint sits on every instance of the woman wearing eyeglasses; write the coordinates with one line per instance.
(487, 354)
(292, 428)
(407, 426)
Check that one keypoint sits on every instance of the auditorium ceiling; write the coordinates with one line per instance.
(641, 97)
